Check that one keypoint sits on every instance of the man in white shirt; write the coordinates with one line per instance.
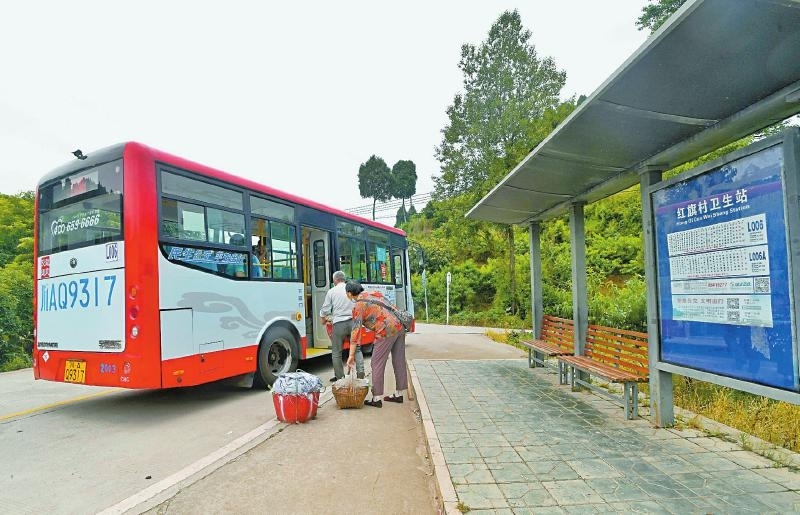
(338, 309)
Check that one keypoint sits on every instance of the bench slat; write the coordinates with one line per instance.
(619, 338)
(615, 375)
(556, 339)
(613, 330)
(630, 368)
(622, 353)
(615, 355)
(546, 348)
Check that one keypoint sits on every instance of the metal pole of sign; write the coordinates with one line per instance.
(449, 277)
(424, 277)
(425, 289)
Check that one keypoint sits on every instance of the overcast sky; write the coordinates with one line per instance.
(292, 94)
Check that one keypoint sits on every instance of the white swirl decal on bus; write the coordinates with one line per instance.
(80, 221)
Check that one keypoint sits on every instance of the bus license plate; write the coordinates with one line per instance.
(75, 371)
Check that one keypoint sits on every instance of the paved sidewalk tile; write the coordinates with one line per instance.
(514, 441)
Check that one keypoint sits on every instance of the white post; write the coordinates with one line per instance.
(448, 298)
(425, 289)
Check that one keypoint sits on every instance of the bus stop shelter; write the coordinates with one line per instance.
(715, 72)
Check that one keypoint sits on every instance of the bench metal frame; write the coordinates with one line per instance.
(630, 389)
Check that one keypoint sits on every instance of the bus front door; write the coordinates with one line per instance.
(317, 285)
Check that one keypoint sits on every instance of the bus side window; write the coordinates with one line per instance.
(237, 268)
(234, 269)
(200, 258)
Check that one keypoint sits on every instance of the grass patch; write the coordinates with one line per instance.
(776, 422)
(510, 337)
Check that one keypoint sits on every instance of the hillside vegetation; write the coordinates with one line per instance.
(16, 280)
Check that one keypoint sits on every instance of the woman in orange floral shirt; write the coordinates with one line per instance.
(374, 312)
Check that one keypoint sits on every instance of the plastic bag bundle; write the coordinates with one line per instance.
(350, 381)
(350, 392)
(297, 382)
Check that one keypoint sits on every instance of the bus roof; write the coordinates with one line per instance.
(116, 151)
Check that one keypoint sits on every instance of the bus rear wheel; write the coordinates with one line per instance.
(278, 353)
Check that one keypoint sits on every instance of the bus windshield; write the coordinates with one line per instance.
(81, 209)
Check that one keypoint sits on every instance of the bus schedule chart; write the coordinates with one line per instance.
(719, 273)
(722, 255)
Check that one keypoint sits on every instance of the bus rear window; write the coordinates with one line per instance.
(81, 209)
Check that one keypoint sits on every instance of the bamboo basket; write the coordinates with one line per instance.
(350, 396)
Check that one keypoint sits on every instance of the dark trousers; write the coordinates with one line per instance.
(342, 330)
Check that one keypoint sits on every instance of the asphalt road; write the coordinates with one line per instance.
(68, 448)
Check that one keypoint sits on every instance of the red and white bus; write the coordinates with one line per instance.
(153, 271)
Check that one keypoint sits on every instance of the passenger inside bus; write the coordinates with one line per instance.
(258, 263)
(235, 269)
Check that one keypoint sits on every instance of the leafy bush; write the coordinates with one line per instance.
(13, 360)
(491, 318)
(16, 320)
(623, 307)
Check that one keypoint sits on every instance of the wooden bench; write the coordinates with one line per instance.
(557, 339)
(616, 355)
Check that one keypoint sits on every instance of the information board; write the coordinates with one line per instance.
(723, 271)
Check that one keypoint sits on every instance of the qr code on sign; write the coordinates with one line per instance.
(733, 316)
(733, 303)
(761, 284)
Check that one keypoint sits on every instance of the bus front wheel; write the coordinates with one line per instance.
(278, 353)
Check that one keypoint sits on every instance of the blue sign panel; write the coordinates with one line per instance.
(723, 273)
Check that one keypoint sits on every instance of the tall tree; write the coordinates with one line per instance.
(401, 216)
(656, 13)
(507, 90)
(404, 176)
(375, 181)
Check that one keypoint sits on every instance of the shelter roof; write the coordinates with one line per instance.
(714, 72)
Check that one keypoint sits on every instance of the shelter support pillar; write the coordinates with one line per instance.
(580, 296)
(662, 412)
(536, 278)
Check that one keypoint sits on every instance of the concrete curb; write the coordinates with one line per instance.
(167, 488)
(444, 483)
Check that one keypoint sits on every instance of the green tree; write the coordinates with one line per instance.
(656, 13)
(507, 89)
(16, 280)
(497, 118)
(16, 224)
(16, 322)
(401, 216)
(375, 181)
(404, 177)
